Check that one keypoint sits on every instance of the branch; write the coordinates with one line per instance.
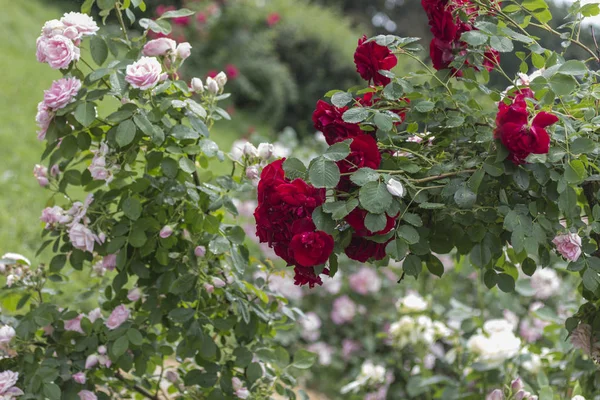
(589, 190)
(442, 176)
(137, 388)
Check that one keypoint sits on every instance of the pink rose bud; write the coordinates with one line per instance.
(184, 50)
(249, 150)
(91, 361)
(159, 47)
(79, 378)
(218, 282)
(265, 151)
(212, 85)
(252, 172)
(41, 174)
(209, 288)
(110, 262)
(172, 376)
(221, 79)
(102, 349)
(55, 171)
(87, 395)
(144, 74)
(200, 251)
(569, 245)
(134, 294)
(119, 315)
(166, 231)
(197, 85)
(495, 395)
(516, 385)
(6, 334)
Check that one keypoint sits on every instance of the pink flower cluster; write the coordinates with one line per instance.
(17, 269)
(61, 94)
(99, 358)
(166, 47)
(77, 222)
(58, 44)
(99, 168)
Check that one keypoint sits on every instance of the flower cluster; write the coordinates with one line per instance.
(58, 44)
(418, 330)
(284, 221)
(518, 132)
(370, 376)
(494, 343)
(61, 94)
(17, 270)
(447, 29)
(517, 391)
(76, 222)
(100, 168)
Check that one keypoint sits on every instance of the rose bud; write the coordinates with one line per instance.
(265, 151)
(212, 85)
(396, 188)
(197, 85)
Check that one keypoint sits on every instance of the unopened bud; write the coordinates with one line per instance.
(212, 85)
(197, 85)
(221, 79)
(265, 151)
(396, 188)
(252, 172)
(516, 385)
(249, 150)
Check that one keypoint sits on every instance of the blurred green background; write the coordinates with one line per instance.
(281, 55)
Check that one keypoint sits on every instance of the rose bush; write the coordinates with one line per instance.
(135, 209)
(506, 181)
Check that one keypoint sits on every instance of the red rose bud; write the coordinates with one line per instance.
(370, 58)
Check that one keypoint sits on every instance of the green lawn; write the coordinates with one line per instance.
(22, 82)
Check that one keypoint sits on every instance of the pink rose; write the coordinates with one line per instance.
(110, 262)
(87, 395)
(159, 47)
(74, 324)
(218, 282)
(41, 174)
(94, 315)
(83, 23)
(365, 281)
(343, 310)
(98, 169)
(7, 333)
(209, 288)
(184, 50)
(52, 28)
(102, 350)
(61, 93)
(58, 51)
(119, 315)
(43, 118)
(8, 380)
(569, 246)
(144, 74)
(166, 231)
(238, 388)
(82, 237)
(200, 251)
(134, 294)
(79, 378)
(53, 215)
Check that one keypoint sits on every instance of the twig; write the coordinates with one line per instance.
(442, 176)
(137, 388)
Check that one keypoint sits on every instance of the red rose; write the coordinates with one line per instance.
(363, 153)
(231, 71)
(328, 119)
(361, 250)
(370, 58)
(518, 136)
(441, 21)
(311, 248)
(273, 19)
(307, 276)
(356, 219)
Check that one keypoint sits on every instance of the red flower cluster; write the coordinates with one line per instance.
(370, 58)
(284, 221)
(520, 136)
(447, 29)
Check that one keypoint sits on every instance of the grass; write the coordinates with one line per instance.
(21, 88)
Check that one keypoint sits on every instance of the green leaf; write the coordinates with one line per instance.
(412, 265)
(132, 208)
(52, 391)
(85, 113)
(243, 357)
(125, 133)
(501, 44)
(99, 50)
(106, 4)
(575, 172)
(506, 283)
(58, 262)
(86, 7)
(375, 198)
(254, 372)
(424, 106)
(183, 132)
(340, 209)
(337, 152)
(475, 180)
(294, 168)
(582, 145)
(591, 280)
(480, 255)
(562, 85)
(323, 173)
(323, 221)
(340, 99)
(355, 115)
(183, 12)
(383, 121)
(435, 266)
(155, 26)
(120, 346)
(364, 175)
(396, 249)
(474, 38)
(154, 132)
(304, 359)
(409, 234)
(465, 198)
(375, 222)
(182, 314)
(573, 67)
(187, 165)
(135, 337)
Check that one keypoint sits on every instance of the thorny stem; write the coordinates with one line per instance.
(121, 22)
(137, 388)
